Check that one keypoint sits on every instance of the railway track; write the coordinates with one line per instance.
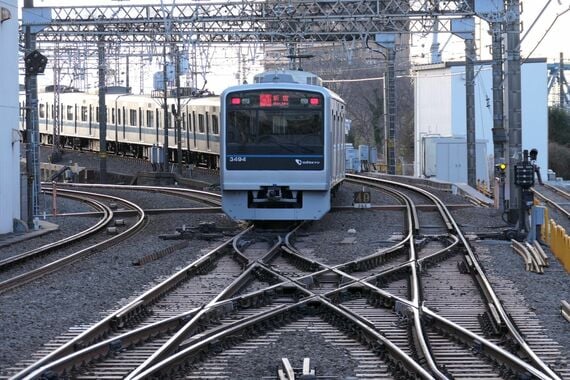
(102, 242)
(101, 204)
(421, 308)
(555, 197)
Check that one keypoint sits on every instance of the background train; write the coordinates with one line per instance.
(282, 147)
(134, 124)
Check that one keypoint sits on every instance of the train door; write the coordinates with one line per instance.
(140, 121)
(194, 126)
(157, 123)
(90, 118)
(207, 131)
(187, 120)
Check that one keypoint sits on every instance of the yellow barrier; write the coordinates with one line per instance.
(558, 240)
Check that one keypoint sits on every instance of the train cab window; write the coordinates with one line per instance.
(83, 113)
(69, 113)
(42, 111)
(215, 126)
(133, 118)
(201, 123)
(149, 118)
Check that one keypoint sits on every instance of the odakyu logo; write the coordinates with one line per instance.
(306, 162)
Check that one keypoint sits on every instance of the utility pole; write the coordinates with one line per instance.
(470, 111)
(32, 132)
(513, 105)
(57, 113)
(165, 106)
(465, 29)
(102, 107)
(500, 140)
(390, 110)
(178, 109)
(388, 41)
(562, 81)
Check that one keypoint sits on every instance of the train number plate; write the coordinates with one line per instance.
(361, 199)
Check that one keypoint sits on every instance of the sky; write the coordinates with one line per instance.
(547, 38)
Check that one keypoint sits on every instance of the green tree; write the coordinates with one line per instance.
(559, 126)
(559, 141)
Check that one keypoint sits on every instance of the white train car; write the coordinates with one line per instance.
(282, 147)
(134, 124)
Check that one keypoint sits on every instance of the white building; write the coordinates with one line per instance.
(9, 135)
(440, 112)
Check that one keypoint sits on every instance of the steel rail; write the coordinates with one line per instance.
(104, 211)
(481, 277)
(128, 311)
(552, 202)
(206, 196)
(413, 228)
(58, 264)
(238, 326)
(86, 354)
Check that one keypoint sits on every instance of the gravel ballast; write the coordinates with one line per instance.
(91, 288)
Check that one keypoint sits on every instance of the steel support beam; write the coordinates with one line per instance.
(513, 105)
(251, 21)
(102, 108)
(390, 110)
(32, 132)
(499, 134)
(470, 112)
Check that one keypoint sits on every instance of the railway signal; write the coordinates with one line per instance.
(35, 63)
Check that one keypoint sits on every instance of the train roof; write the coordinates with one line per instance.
(288, 76)
(135, 98)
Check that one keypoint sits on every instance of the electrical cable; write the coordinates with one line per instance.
(545, 33)
(535, 20)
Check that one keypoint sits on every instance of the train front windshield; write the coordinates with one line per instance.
(274, 130)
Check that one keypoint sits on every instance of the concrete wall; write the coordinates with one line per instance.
(9, 137)
(448, 81)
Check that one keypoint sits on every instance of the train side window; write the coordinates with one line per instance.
(183, 121)
(141, 121)
(83, 113)
(113, 110)
(69, 112)
(215, 127)
(201, 123)
(133, 118)
(42, 111)
(96, 114)
(149, 118)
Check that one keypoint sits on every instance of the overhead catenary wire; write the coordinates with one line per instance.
(545, 33)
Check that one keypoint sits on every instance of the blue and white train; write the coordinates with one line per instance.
(134, 124)
(282, 147)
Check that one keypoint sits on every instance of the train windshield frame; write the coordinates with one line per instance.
(274, 130)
